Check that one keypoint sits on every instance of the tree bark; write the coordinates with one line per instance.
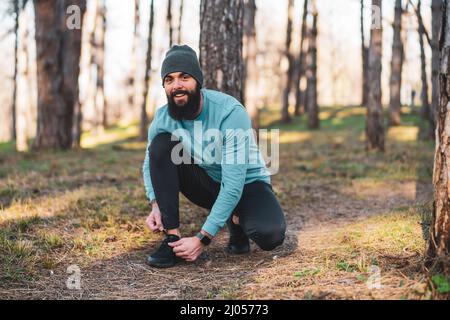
(436, 7)
(221, 33)
(285, 117)
(374, 117)
(365, 60)
(251, 87)
(301, 62)
(439, 242)
(311, 74)
(58, 55)
(148, 69)
(395, 83)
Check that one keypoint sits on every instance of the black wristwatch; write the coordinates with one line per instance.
(203, 238)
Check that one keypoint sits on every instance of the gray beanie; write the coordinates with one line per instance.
(182, 59)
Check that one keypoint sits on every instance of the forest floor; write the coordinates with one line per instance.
(355, 221)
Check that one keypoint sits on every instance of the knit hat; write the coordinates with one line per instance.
(182, 59)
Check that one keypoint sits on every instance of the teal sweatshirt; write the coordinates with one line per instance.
(221, 142)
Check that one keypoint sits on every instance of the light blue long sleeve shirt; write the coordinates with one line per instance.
(221, 142)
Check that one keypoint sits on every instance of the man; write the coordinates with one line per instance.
(238, 192)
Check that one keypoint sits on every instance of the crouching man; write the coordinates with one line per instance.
(230, 179)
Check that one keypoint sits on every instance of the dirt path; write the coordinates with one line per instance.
(268, 275)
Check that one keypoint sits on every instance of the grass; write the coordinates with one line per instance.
(347, 210)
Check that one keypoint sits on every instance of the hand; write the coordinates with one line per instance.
(154, 221)
(188, 249)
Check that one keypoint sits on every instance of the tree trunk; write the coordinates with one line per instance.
(14, 94)
(221, 27)
(169, 21)
(424, 92)
(251, 86)
(180, 21)
(131, 83)
(374, 118)
(439, 243)
(58, 54)
(365, 60)
(301, 62)
(285, 117)
(78, 109)
(148, 69)
(436, 7)
(311, 74)
(99, 61)
(23, 87)
(395, 83)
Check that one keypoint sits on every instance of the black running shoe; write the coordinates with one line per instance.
(239, 242)
(164, 257)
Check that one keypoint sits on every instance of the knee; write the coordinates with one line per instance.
(269, 238)
(160, 146)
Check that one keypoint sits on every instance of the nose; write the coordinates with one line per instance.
(177, 84)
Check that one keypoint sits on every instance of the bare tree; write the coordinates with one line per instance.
(424, 92)
(148, 69)
(99, 62)
(439, 242)
(436, 27)
(221, 52)
(169, 22)
(251, 75)
(395, 83)
(374, 118)
(131, 82)
(180, 20)
(300, 70)
(312, 107)
(14, 94)
(365, 60)
(23, 81)
(57, 74)
(285, 117)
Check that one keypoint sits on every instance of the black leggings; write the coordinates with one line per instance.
(260, 214)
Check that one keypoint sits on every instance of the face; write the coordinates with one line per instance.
(183, 95)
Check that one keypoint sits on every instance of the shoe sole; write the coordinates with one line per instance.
(238, 252)
(163, 265)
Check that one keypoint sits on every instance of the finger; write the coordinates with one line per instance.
(176, 243)
(182, 255)
(179, 249)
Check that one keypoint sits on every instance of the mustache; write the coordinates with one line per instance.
(179, 92)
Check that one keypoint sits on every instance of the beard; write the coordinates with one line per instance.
(187, 110)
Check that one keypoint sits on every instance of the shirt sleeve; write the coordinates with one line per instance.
(236, 130)
(146, 166)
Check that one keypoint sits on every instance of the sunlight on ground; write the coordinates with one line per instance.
(403, 133)
(45, 207)
(91, 140)
(338, 261)
(365, 188)
(351, 112)
(293, 137)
